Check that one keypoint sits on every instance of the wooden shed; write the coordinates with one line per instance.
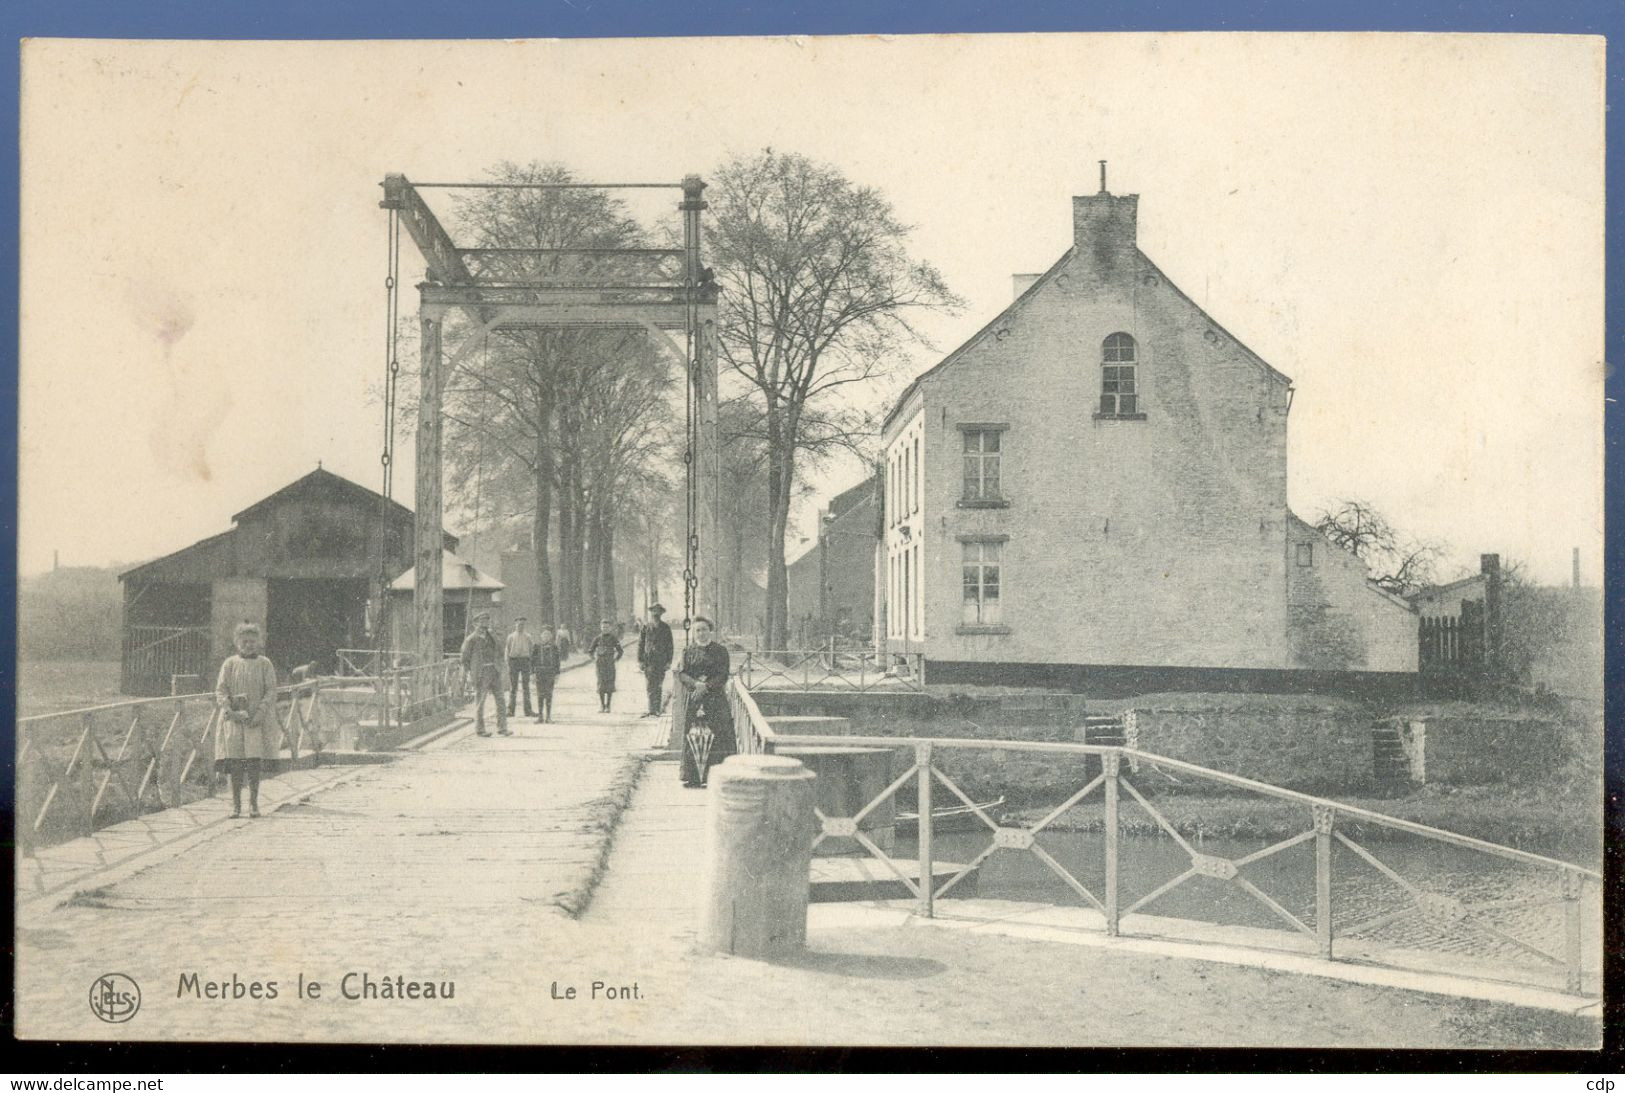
(302, 563)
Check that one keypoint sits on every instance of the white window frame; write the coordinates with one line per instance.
(981, 555)
(1124, 370)
(983, 458)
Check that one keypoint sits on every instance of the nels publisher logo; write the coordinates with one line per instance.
(115, 998)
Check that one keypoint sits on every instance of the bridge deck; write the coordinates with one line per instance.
(460, 863)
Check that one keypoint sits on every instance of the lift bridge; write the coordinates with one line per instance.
(666, 292)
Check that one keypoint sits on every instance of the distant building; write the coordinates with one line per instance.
(302, 563)
(831, 584)
(1097, 481)
(1461, 628)
(1446, 601)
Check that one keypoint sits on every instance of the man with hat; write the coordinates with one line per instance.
(482, 663)
(654, 657)
(519, 648)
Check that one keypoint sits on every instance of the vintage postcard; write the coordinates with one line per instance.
(1056, 540)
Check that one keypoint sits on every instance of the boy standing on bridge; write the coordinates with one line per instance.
(605, 650)
(482, 663)
(544, 665)
(246, 696)
(519, 649)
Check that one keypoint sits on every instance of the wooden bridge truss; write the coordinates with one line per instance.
(666, 292)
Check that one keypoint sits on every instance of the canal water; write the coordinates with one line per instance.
(1359, 892)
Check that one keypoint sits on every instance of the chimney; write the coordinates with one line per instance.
(1103, 224)
(1576, 567)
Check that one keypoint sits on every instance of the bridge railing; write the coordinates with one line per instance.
(1528, 906)
(370, 662)
(831, 669)
(407, 695)
(80, 770)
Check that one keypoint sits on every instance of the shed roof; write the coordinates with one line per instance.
(202, 546)
(1442, 589)
(455, 574)
(318, 483)
(322, 483)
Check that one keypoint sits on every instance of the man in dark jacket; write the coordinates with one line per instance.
(654, 657)
(483, 665)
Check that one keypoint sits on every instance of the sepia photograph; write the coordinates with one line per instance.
(1059, 540)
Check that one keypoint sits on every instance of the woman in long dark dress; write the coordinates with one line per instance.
(704, 675)
(605, 650)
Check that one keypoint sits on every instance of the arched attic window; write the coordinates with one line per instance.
(1118, 393)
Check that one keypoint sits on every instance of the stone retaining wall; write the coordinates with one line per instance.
(1310, 745)
(1483, 750)
(1314, 744)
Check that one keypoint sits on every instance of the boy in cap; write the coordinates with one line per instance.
(518, 651)
(605, 650)
(654, 657)
(544, 665)
(482, 663)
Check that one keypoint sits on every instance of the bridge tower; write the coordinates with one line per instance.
(476, 292)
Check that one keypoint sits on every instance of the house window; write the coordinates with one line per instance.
(916, 474)
(981, 583)
(1306, 554)
(1118, 395)
(894, 604)
(919, 596)
(981, 464)
(908, 599)
(891, 491)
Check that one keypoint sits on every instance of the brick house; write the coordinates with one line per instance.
(841, 560)
(1096, 481)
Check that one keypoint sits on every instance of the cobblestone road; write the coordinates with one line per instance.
(449, 867)
(445, 865)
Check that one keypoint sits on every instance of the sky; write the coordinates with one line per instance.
(1409, 226)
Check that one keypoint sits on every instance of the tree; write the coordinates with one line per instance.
(818, 298)
(1551, 636)
(1396, 562)
(524, 395)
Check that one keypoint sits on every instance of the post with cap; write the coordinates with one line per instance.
(760, 832)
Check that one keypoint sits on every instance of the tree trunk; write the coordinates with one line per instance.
(568, 561)
(584, 613)
(607, 535)
(592, 568)
(573, 545)
(739, 623)
(652, 567)
(539, 529)
(780, 476)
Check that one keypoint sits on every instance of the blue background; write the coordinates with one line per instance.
(586, 18)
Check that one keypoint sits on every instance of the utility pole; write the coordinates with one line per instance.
(823, 566)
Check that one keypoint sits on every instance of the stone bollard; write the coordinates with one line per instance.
(760, 833)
